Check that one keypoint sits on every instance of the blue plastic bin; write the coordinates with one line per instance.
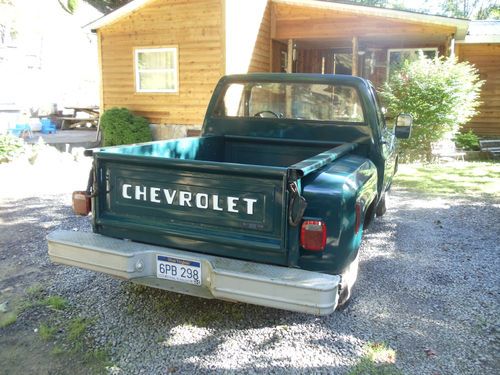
(47, 126)
(20, 130)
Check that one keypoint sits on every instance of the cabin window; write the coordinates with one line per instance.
(397, 57)
(156, 70)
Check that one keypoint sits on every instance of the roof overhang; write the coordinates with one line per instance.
(478, 39)
(117, 14)
(487, 31)
(460, 24)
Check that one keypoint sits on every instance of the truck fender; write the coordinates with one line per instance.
(332, 195)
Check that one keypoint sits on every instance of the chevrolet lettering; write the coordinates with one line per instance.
(269, 205)
(188, 199)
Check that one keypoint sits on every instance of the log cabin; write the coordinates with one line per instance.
(481, 47)
(162, 58)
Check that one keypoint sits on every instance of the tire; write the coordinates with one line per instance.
(344, 298)
(381, 207)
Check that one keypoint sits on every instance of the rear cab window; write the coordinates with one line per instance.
(291, 100)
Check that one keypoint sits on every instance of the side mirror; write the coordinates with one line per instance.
(403, 126)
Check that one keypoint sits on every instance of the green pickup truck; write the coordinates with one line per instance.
(268, 206)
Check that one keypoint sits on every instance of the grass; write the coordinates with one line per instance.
(8, 319)
(378, 359)
(460, 178)
(77, 328)
(69, 339)
(34, 291)
(55, 302)
(46, 332)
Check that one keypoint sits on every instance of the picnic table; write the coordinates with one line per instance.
(75, 121)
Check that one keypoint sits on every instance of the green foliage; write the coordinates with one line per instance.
(494, 14)
(72, 5)
(441, 95)
(10, 147)
(77, 328)
(46, 332)
(70, 338)
(389, 4)
(378, 3)
(34, 291)
(55, 302)
(121, 127)
(471, 9)
(8, 319)
(378, 360)
(467, 141)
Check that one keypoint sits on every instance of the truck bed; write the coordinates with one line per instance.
(217, 195)
(229, 149)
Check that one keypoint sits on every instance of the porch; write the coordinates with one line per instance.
(326, 38)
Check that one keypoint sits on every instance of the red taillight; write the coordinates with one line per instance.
(357, 224)
(313, 235)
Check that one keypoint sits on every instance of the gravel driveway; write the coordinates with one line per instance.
(428, 288)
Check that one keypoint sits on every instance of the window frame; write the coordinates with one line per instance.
(378, 108)
(137, 71)
(423, 49)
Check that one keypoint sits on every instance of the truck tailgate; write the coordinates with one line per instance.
(224, 209)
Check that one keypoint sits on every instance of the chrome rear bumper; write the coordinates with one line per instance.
(222, 278)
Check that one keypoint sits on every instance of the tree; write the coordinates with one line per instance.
(472, 9)
(72, 5)
(397, 4)
(378, 3)
(441, 95)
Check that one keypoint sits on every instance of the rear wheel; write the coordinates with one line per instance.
(381, 207)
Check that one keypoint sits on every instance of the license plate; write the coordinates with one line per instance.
(184, 271)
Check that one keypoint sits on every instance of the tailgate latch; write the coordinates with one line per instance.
(297, 206)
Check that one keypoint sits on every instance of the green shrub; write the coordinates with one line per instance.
(72, 5)
(121, 127)
(467, 141)
(441, 95)
(10, 147)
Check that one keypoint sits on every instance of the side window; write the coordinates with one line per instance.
(378, 108)
(156, 70)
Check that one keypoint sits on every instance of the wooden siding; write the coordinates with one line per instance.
(195, 28)
(248, 36)
(486, 58)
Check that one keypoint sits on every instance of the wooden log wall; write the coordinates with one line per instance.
(195, 28)
(486, 58)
